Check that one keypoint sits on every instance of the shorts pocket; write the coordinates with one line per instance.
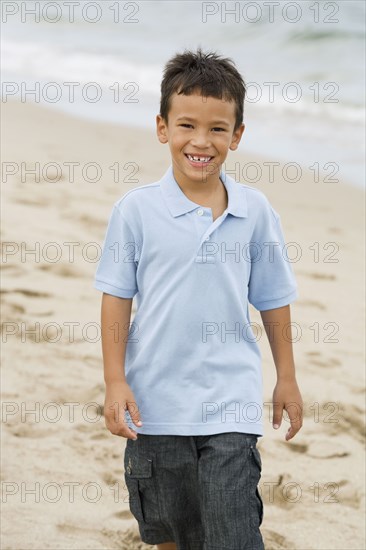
(257, 457)
(140, 483)
(260, 505)
(257, 467)
(134, 498)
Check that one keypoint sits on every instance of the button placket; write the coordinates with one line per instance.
(207, 235)
(208, 257)
(203, 224)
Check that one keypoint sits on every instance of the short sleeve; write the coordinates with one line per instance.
(272, 283)
(116, 271)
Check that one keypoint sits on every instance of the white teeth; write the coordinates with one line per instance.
(199, 159)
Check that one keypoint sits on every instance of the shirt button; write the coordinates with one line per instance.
(129, 470)
(207, 238)
(200, 212)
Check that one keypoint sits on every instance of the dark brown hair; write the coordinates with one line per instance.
(207, 73)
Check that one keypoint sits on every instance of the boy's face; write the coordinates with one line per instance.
(200, 132)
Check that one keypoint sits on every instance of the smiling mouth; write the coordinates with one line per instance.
(198, 158)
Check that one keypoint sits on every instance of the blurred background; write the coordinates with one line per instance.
(303, 63)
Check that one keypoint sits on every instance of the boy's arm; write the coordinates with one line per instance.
(115, 320)
(286, 395)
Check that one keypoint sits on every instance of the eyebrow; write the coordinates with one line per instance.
(222, 122)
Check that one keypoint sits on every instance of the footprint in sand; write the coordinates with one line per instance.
(76, 529)
(33, 202)
(101, 435)
(344, 493)
(14, 312)
(93, 361)
(94, 394)
(32, 431)
(312, 303)
(90, 221)
(113, 478)
(91, 429)
(321, 276)
(294, 447)
(315, 275)
(349, 420)
(276, 494)
(326, 449)
(275, 541)
(331, 362)
(11, 311)
(12, 269)
(28, 293)
(61, 270)
(126, 540)
(124, 515)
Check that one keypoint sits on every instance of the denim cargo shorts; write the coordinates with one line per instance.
(200, 492)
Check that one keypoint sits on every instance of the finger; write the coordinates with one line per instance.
(292, 431)
(116, 421)
(134, 412)
(295, 426)
(294, 411)
(277, 414)
(129, 433)
(122, 429)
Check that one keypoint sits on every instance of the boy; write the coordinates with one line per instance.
(194, 248)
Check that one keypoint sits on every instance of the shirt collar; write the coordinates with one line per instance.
(178, 203)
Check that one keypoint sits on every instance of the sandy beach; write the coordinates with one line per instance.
(62, 471)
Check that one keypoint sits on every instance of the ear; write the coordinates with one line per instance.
(161, 129)
(237, 137)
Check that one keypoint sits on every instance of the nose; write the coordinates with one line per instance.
(200, 139)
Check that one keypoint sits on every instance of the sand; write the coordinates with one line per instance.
(62, 471)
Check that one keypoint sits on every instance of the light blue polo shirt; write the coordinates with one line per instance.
(192, 357)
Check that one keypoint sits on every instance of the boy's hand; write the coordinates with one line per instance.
(286, 395)
(119, 398)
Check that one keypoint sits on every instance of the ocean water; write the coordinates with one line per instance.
(303, 63)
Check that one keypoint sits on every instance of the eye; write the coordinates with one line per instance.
(185, 125)
(219, 129)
